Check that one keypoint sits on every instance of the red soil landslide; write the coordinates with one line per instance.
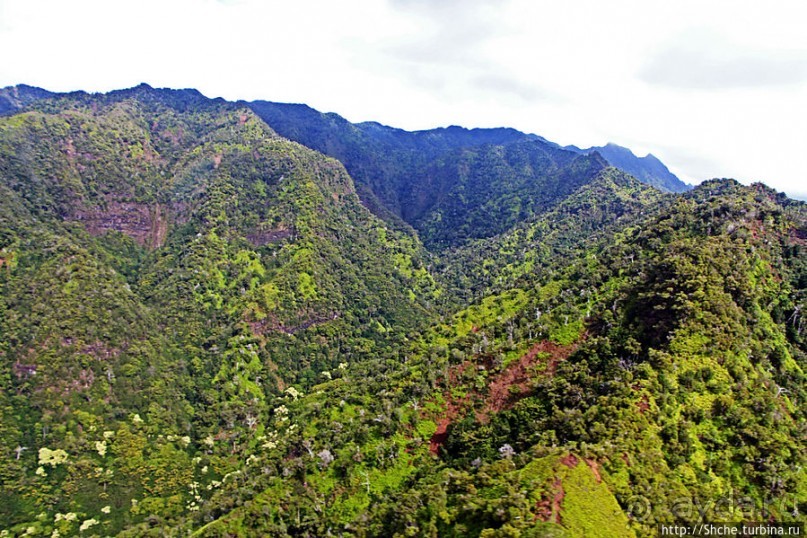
(452, 411)
(518, 374)
(548, 509)
(440, 436)
(145, 223)
(595, 468)
(557, 501)
(501, 395)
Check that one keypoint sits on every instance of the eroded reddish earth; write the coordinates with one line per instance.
(145, 223)
(504, 389)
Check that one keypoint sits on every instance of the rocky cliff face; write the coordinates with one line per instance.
(147, 224)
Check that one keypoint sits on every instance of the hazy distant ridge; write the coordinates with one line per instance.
(648, 169)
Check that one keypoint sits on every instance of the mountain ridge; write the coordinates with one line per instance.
(648, 169)
(204, 331)
(470, 178)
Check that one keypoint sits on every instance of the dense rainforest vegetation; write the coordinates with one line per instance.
(207, 329)
(454, 183)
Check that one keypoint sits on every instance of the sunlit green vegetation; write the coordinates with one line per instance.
(204, 332)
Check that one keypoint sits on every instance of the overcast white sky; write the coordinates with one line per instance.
(712, 88)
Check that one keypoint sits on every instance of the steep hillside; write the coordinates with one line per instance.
(660, 369)
(450, 184)
(423, 176)
(478, 193)
(647, 169)
(205, 332)
(592, 213)
(403, 175)
(383, 160)
(14, 98)
(168, 264)
(675, 358)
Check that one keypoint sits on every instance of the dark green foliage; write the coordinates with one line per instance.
(204, 332)
(647, 169)
(14, 98)
(455, 184)
(594, 212)
(481, 192)
(169, 258)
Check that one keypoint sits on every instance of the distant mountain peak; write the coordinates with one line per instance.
(14, 98)
(648, 169)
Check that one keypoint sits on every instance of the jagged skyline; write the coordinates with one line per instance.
(709, 93)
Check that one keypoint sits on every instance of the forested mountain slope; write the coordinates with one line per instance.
(424, 176)
(414, 178)
(659, 370)
(596, 210)
(14, 98)
(168, 264)
(204, 332)
(647, 169)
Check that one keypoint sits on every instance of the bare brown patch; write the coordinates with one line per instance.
(504, 390)
(557, 501)
(177, 137)
(595, 468)
(84, 381)
(145, 223)
(570, 461)
(549, 508)
(159, 227)
(440, 435)
(454, 407)
(100, 351)
(513, 383)
(543, 510)
(263, 236)
(644, 404)
(272, 324)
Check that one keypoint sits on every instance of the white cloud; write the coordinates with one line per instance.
(711, 88)
(704, 60)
